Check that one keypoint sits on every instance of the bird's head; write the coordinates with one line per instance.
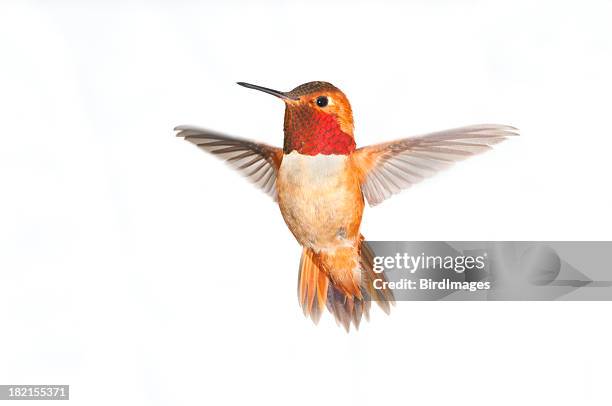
(318, 119)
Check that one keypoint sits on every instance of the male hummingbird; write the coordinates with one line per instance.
(320, 181)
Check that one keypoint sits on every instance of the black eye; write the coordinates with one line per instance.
(322, 101)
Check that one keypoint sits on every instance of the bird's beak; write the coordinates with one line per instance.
(281, 95)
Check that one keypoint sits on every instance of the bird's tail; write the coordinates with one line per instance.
(317, 290)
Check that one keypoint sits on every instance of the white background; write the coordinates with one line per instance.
(141, 271)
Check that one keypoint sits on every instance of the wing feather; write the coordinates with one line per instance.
(388, 168)
(256, 161)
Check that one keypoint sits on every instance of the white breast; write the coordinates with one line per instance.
(312, 171)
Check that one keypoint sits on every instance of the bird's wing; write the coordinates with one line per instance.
(386, 169)
(258, 162)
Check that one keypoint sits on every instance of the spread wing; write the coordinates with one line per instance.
(258, 162)
(388, 168)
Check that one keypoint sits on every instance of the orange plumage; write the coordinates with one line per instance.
(321, 182)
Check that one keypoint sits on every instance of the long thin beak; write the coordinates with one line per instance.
(276, 93)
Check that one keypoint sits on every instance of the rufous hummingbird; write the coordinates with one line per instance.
(321, 180)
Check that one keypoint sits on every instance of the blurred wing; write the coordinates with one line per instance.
(390, 167)
(258, 162)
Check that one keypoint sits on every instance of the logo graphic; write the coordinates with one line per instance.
(511, 270)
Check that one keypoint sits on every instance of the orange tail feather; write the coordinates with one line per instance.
(316, 290)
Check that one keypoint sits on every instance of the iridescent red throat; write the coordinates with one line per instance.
(312, 132)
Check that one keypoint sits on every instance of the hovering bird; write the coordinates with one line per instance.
(320, 180)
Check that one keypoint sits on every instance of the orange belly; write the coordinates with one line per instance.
(321, 201)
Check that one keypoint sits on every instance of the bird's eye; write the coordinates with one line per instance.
(322, 101)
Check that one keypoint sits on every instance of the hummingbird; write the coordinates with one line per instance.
(321, 181)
